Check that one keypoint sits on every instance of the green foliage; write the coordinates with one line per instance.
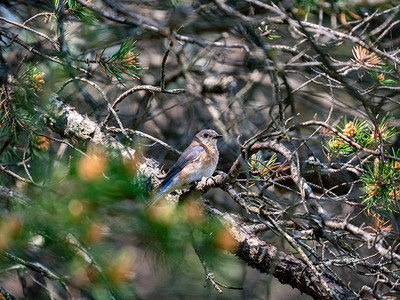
(168, 231)
(123, 62)
(18, 114)
(382, 79)
(357, 130)
(77, 10)
(268, 33)
(86, 210)
(382, 185)
(83, 205)
(261, 169)
(361, 133)
(96, 202)
(31, 78)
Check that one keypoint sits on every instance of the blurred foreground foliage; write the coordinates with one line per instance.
(94, 203)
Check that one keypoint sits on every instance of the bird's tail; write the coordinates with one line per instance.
(159, 195)
(155, 199)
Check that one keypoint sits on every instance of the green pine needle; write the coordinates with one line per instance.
(123, 62)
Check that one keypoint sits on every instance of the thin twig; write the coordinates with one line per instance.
(164, 61)
(14, 38)
(149, 88)
(16, 176)
(210, 275)
(54, 43)
(145, 135)
(39, 268)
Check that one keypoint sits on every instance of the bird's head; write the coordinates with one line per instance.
(208, 137)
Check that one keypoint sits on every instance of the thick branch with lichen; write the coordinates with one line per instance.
(288, 269)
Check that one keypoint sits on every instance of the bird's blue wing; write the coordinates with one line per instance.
(190, 154)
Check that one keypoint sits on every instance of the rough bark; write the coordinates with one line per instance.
(288, 269)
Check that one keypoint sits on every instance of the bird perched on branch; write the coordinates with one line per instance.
(198, 160)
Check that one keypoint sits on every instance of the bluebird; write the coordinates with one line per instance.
(198, 160)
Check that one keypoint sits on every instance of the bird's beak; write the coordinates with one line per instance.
(217, 136)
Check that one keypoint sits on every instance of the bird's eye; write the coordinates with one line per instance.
(206, 135)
